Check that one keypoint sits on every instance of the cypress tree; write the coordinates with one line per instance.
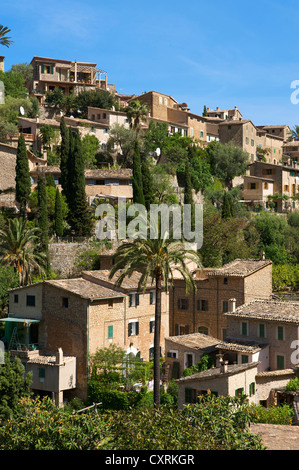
(138, 195)
(58, 215)
(43, 222)
(23, 182)
(147, 183)
(64, 155)
(80, 216)
(226, 207)
(188, 196)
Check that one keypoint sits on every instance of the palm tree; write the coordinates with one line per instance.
(295, 133)
(19, 248)
(5, 40)
(156, 260)
(137, 113)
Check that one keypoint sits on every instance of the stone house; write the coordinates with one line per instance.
(268, 322)
(280, 180)
(225, 380)
(83, 314)
(108, 184)
(225, 114)
(203, 312)
(68, 76)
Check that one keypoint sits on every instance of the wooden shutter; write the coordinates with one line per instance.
(188, 395)
(110, 331)
(137, 328)
(42, 68)
(52, 69)
(175, 374)
(130, 329)
(176, 330)
(186, 329)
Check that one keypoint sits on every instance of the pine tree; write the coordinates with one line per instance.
(138, 195)
(43, 222)
(23, 183)
(64, 155)
(58, 215)
(147, 183)
(79, 213)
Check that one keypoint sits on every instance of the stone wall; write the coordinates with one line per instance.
(63, 256)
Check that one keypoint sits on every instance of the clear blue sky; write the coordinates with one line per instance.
(213, 53)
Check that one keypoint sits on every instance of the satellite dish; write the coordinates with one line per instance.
(158, 152)
(22, 110)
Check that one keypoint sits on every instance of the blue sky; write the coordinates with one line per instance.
(216, 53)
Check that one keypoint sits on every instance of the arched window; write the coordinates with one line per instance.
(203, 330)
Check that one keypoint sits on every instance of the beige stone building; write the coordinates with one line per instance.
(225, 114)
(83, 314)
(99, 184)
(68, 76)
(268, 182)
(203, 312)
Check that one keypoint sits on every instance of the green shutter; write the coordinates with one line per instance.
(129, 329)
(110, 331)
(130, 300)
(175, 370)
(244, 329)
(280, 362)
(137, 328)
(262, 331)
(244, 359)
(136, 299)
(42, 68)
(188, 395)
(280, 332)
(52, 69)
(186, 329)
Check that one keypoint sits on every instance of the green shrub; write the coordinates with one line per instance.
(272, 415)
(293, 384)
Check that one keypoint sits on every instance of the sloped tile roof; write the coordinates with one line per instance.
(240, 268)
(271, 310)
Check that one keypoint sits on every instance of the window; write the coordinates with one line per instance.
(244, 359)
(239, 392)
(110, 331)
(189, 360)
(252, 143)
(252, 389)
(110, 303)
(202, 134)
(30, 301)
(188, 395)
(41, 372)
(116, 182)
(203, 330)
(225, 306)
(183, 304)
(172, 353)
(202, 305)
(133, 300)
(280, 333)
(225, 280)
(133, 328)
(244, 329)
(181, 330)
(252, 186)
(152, 298)
(280, 362)
(65, 302)
(261, 331)
(266, 185)
(247, 140)
(152, 325)
(16, 298)
(160, 100)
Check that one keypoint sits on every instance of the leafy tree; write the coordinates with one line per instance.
(19, 249)
(138, 195)
(24, 69)
(90, 147)
(226, 207)
(56, 99)
(47, 134)
(125, 139)
(13, 386)
(188, 196)
(58, 215)
(228, 161)
(155, 259)
(137, 113)
(4, 39)
(163, 188)
(91, 98)
(156, 136)
(23, 182)
(14, 84)
(9, 279)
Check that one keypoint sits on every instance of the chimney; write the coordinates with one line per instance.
(262, 257)
(223, 367)
(208, 109)
(59, 357)
(217, 109)
(219, 359)
(232, 305)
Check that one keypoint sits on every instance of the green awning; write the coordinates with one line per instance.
(26, 321)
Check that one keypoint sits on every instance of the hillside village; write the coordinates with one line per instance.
(55, 324)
